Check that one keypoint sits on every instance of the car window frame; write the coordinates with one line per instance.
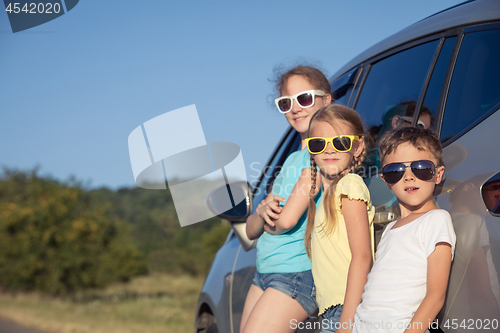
(464, 30)
(459, 32)
(367, 65)
(354, 76)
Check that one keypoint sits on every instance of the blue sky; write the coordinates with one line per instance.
(73, 89)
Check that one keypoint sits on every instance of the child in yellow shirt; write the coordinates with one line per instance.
(338, 235)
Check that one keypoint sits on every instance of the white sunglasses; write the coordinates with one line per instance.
(420, 123)
(305, 99)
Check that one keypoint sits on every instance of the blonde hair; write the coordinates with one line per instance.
(331, 114)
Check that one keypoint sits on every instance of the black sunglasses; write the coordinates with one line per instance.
(423, 170)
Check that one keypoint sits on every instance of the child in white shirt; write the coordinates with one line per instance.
(407, 285)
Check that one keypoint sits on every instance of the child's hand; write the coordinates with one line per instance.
(269, 210)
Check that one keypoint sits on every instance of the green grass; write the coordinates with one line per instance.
(156, 303)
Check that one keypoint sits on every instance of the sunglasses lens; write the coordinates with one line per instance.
(305, 100)
(316, 145)
(342, 144)
(285, 104)
(393, 172)
(423, 170)
(491, 186)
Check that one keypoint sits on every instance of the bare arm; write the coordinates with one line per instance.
(438, 271)
(256, 221)
(296, 205)
(358, 234)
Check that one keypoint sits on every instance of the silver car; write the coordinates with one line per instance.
(442, 72)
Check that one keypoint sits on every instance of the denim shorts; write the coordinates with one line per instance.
(299, 286)
(330, 319)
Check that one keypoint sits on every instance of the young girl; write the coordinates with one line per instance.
(282, 292)
(338, 235)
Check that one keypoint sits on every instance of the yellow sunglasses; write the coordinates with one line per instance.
(341, 143)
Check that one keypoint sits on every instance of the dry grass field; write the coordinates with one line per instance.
(156, 303)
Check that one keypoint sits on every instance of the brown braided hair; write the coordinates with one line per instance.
(332, 114)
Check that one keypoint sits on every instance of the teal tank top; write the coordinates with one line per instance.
(286, 253)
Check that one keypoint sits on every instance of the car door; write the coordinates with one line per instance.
(470, 192)
(455, 79)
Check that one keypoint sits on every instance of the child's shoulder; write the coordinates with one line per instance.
(353, 187)
(351, 182)
(437, 227)
(298, 158)
(296, 154)
(351, 178)
(437, 215)
(434, 220)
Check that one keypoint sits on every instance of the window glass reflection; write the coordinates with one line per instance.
(475, 86)
(491, 194)
(431, 100)
(389, 96)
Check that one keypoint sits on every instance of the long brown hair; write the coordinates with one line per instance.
(313, 75)
(332, 114)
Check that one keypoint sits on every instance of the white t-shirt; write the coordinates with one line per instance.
(397, 282)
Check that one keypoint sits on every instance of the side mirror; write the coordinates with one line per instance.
(231, 202)
(490, 192)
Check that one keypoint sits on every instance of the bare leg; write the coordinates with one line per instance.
(273, 313)
(252, 298)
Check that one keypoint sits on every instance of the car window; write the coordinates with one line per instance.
(475, 86)
(287, 146)
(343, 86)
(433, 93)
(388, 97)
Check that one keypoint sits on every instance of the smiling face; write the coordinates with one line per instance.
(298, 117)
(332, 162)
(414, 195)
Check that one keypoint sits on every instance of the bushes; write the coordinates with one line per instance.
(156, 230)
(54, 239)
(58, 238)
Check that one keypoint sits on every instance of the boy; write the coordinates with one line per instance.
(407, 284)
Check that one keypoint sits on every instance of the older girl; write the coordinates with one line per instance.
(282, 292)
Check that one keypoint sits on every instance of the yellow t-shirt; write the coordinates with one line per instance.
(331, 255)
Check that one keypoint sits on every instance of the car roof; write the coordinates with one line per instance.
(462, 14)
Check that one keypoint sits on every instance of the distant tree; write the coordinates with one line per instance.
(55, 239)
